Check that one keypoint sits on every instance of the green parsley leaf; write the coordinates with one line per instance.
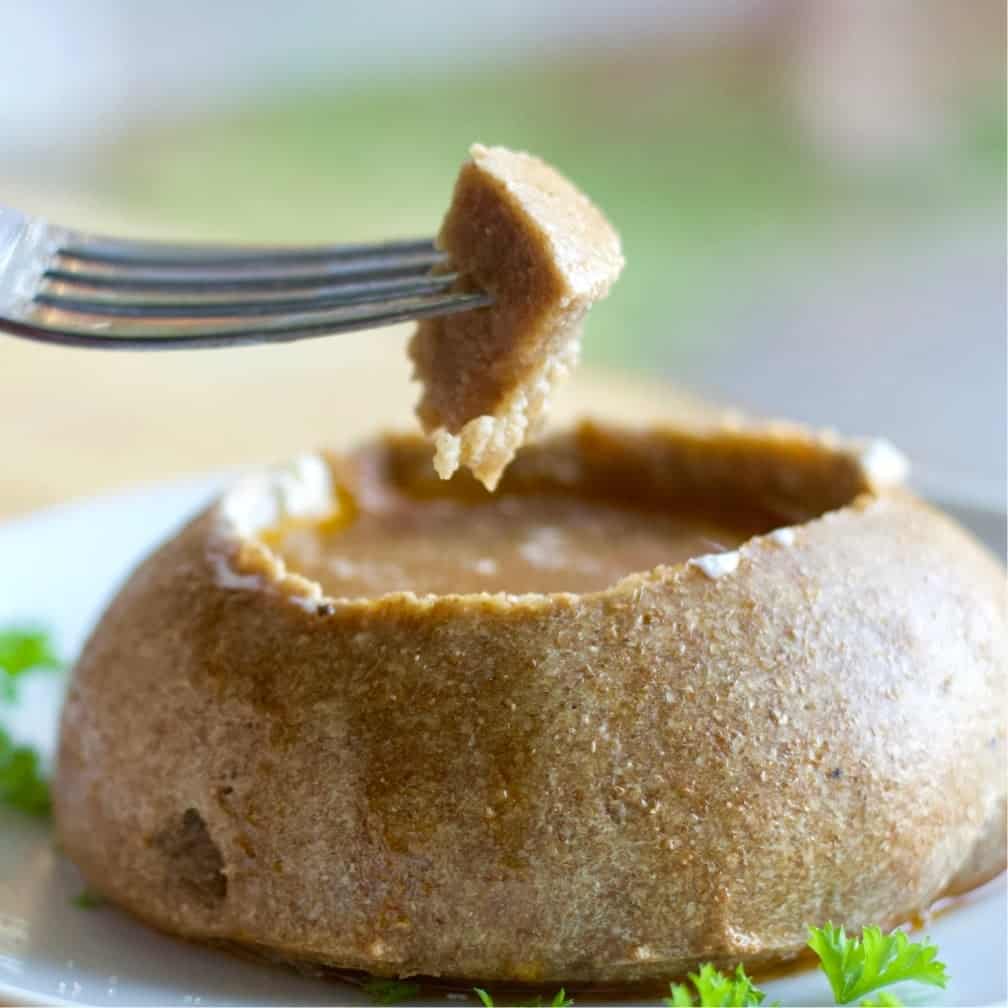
(681, 996)
(717, 990)
(22, 785)
(87, 900)
(384, 991)
(883, 1000)
(22, 650)
(560, 999)
(857, 966)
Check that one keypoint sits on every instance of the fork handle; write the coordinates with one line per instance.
(27, 246)
(12, 227)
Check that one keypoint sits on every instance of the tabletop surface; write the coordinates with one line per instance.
(77, 422)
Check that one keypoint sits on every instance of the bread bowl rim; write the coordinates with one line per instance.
(304, 489)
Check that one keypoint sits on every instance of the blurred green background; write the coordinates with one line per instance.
(811, 193)
(697, 157)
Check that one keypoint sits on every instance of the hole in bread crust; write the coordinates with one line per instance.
(193, 862)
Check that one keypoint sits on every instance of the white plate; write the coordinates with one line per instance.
(58, 568)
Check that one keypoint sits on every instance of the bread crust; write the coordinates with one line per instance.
(602, 788)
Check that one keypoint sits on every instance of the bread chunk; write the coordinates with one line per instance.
(519, 230)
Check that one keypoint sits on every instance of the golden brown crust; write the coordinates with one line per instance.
(519, 230)
(600, 788)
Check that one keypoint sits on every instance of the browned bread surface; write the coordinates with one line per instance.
(571, 788)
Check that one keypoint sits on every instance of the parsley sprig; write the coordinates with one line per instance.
(86, 899)
(22, 783)
(23, 649)
(714, 988)
(856, 967)
(560, 1000)
(385, 991)
(884, 1000)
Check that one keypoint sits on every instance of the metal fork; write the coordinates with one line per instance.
(76, 289)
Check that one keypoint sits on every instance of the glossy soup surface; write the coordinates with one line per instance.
(510, 543)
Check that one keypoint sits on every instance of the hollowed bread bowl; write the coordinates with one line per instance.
(691, 763)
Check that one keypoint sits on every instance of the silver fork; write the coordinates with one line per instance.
(76, 289)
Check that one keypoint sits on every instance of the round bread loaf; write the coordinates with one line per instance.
(691, 764)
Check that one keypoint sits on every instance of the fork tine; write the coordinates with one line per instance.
(76, 290)
(144, 336)
(129, 253)
(212, 306)
(261, 276)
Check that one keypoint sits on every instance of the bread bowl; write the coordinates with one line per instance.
(603, 787)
